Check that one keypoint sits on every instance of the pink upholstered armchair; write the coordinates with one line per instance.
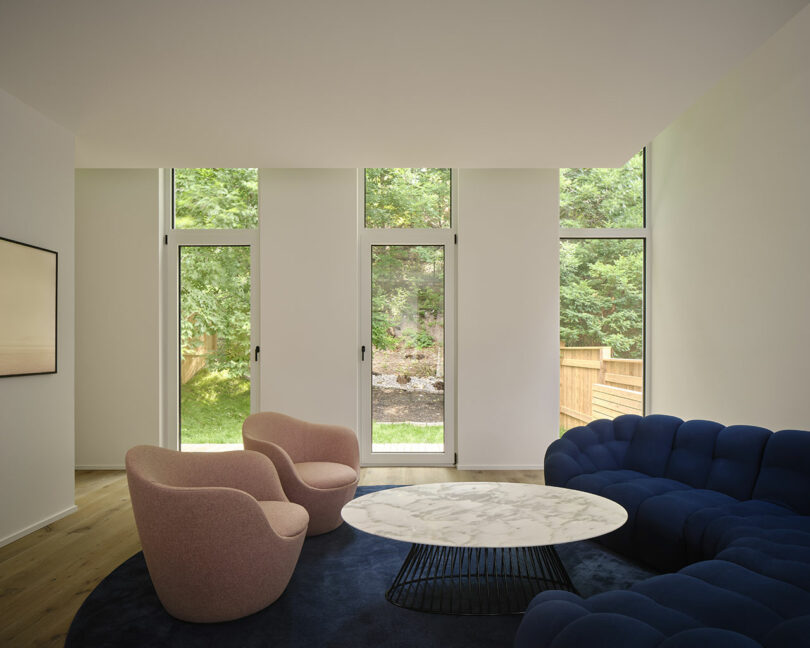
(318, 464)
(220, 538)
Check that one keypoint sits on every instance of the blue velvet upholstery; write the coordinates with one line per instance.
(737, 455)
(651, 445)
(727, 506)
(692, 452)
(660, 522)
(784, 477)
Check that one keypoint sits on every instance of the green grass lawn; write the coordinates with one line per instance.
(407, 433)
(213, 406)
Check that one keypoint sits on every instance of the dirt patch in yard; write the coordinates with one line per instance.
(398, 406)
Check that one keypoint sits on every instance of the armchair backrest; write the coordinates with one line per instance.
(151, 464)
(301, 440)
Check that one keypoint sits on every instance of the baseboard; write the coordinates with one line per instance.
(101, 467)
(38, 525)
(499, 467)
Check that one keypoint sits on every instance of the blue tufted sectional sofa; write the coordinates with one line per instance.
(725, 508)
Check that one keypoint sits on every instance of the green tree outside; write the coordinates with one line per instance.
(602, 280)
(215, 301)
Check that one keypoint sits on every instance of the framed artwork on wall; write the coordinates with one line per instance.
(28, 281)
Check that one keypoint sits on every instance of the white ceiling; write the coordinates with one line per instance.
(351, 83)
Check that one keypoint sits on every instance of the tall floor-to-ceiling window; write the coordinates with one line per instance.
(603, 261)
(408, 290)
(212, 243)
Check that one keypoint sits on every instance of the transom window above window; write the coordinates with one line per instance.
(407, 198)
(597, 198)
(216, 198)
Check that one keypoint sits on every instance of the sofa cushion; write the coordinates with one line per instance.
(630, 495)
(545, 619)
(600, 445)
(691, 458)
(596, 482)
(607, 629)
(711, 605)
(651, 445)
(783, 555)
(784, 477)
(714, 637)
(792, 633)
(660, 525)
(637, 606)
(783, 598)
(737, 455)
(698, 547)
(736, 522)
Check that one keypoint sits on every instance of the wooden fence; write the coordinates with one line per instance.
(594, 385)
(195, 361)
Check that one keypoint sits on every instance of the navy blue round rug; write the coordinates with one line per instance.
(335, 598)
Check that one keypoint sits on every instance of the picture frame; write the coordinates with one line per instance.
(28, 309)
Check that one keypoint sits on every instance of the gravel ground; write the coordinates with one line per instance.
(414, 383)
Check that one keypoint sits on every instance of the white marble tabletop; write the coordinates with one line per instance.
(484, 514)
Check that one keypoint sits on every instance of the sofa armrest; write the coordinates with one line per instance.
(599, 445)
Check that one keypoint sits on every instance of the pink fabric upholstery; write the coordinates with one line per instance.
(286, 520)
(304, 455)
(326, 474)
(219, 536)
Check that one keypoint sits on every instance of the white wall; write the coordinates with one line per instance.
(118, 248)
(508, 317)
(731, 226)
(309, 307)
(36, 412)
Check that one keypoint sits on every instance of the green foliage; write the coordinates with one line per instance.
(215, 300)
(416, 198)
(213, 406)
(406, 433)
(417, 339)
(602, 280)
(215, 280)
(603, 197)
(216, 198)
(382, 324)
(407, 287)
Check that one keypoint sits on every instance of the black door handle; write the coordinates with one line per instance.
(256, 354)
(363, 353)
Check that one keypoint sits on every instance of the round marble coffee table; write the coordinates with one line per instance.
(480, 547)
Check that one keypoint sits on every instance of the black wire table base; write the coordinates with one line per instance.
(464, 580)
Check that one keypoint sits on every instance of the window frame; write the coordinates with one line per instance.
(448, 238)
(638, 233)
(364, 194)
(173, 239)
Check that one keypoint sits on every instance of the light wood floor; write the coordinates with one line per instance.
(45, 576)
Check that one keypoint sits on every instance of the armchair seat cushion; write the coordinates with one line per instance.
(286, 518)
(326, 474)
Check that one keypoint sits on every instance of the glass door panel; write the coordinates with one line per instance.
(215, 345)
(407, 349)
